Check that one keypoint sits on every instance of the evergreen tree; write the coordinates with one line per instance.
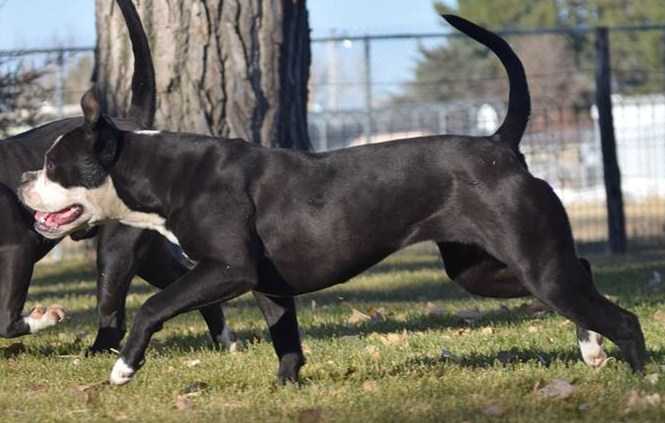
(459, 68)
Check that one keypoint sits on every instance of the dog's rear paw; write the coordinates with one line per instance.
(229, 340)
(121, 373)
(596, 361)
(592, 350)
(42, 317)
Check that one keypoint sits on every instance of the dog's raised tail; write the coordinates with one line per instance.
(144, 98)
(519, 100)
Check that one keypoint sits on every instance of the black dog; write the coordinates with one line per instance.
(122, 251)
(285, 223)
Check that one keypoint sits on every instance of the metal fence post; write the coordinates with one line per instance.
(616, 220)
(60, 85)
(368, 87)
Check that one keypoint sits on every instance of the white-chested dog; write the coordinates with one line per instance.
(284, 223)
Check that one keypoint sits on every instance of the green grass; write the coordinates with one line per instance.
(390, 369)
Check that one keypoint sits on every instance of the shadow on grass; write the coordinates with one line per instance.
(612, 280)
(512, 357)
(74, 291)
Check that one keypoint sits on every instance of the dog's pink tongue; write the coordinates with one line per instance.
(58, 218)
(64, 216)
(40, 215)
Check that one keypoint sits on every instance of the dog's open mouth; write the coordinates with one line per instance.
(52, 221)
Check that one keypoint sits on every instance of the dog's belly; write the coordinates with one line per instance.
(313, 255)
(300, 274)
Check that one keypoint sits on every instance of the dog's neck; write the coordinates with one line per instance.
(145, 170)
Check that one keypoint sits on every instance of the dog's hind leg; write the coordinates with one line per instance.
(542, 253)
(280, 315)
(591, 343)
(481, 274)
(573, 295)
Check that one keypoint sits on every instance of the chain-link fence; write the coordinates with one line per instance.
(377, 88)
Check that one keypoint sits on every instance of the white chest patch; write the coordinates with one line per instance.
(151, 221)
(109, 206)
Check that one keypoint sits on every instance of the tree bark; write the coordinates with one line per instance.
(231, 68)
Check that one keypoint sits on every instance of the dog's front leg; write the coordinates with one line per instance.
(280, 315)
(208, 283)
(20, 247)
(117, 249)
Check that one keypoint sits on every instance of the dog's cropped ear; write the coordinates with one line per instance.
(92, 109)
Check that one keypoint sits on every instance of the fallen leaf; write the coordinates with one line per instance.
(309, 415)
(556, 389)
(659, 316)
(373, 352)
(394, 338)
(88, 394)
(652, 378)
(433, 310)
(370, 386)
(358, 317)
(183, 402)
(533, 329)
(493, 410)
(83, 388)
(462, 331)
(192, 363)
(487, 330)
(377, 314)
(637, 400)
(38, 387)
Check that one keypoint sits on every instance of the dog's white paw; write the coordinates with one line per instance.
(42, 317)
(121, 373)
(229, 339)
(592, 350)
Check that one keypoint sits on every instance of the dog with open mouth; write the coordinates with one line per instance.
(122, 251)
(283, 223)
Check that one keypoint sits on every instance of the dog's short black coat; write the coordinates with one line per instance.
(284, 223)
(122, 251)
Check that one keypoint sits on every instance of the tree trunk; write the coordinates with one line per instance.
(231, 68)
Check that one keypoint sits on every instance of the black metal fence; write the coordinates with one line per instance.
(359, 94)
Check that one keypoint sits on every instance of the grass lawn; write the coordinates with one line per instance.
(412, 361)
